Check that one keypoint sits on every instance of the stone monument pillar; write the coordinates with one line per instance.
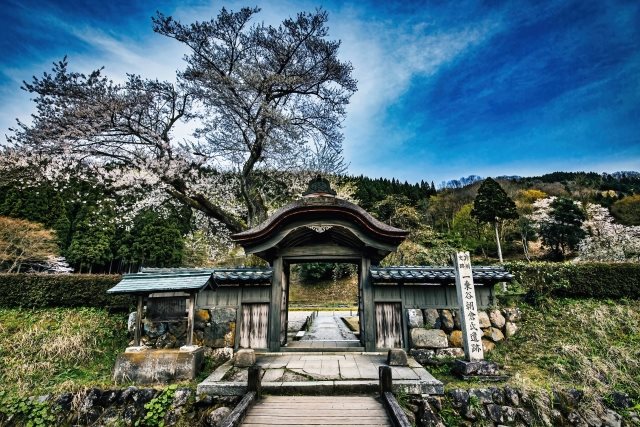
(474, 365)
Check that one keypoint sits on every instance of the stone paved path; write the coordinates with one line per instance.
(328, 326)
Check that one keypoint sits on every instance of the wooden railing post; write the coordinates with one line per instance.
(255, 380)
(386, 382)
(396, 414)
(138, 331)
(254, 389)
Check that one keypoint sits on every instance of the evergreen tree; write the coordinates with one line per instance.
(492, 205)
(153, 241)
(563, 231)
(92, 240)
(627, 210)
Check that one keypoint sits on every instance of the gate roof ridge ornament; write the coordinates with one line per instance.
(319, 186)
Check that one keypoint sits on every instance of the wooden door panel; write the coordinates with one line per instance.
(388, 325)
(254, 325)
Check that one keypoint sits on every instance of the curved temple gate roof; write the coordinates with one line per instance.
(320, 218)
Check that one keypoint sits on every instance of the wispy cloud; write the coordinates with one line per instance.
(387, 61)
(445, 88)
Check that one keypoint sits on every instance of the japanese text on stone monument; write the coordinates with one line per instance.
(471, 332)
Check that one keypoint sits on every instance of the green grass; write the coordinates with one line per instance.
(341, 293)
(587, 344)
(55, 350)
(584, 344)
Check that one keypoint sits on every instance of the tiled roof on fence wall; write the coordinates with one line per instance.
(426, 274)
(152, 280)
(176, 281)
(238, 276)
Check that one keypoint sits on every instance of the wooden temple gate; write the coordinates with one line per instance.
(319, 227)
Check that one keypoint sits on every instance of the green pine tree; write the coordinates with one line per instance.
(493, 205)
(92, 239)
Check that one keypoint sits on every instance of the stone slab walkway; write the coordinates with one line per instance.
(328, 326)
(327, 333)
(321, 374)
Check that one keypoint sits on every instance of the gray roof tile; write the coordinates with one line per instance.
(183, 279)
(426, 274)
(161, 282)
(237, 276)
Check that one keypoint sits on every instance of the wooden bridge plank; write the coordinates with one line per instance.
(324, 399)
(339, 411)
(280, 420)
(385, 424)
(336, 406)
(316, 414)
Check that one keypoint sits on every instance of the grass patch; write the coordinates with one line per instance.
(585, 344)
(54, 350)
(338, 293)
(353, 323)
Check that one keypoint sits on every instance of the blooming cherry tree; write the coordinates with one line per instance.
(606, 240)
(262, 99)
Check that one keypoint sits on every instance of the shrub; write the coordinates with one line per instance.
(61, 290)
(597, 280)
(314, 271)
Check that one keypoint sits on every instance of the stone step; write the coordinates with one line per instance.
(328, 387)
(316, 373)
(322, 349)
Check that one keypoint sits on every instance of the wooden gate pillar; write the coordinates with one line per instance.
(275, 308)
(368, 306)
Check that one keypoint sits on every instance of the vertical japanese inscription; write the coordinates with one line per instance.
(471, 332)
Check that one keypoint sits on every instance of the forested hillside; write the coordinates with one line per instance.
(560, 215)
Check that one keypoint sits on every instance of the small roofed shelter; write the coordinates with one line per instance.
(171, 294)
(170, 289)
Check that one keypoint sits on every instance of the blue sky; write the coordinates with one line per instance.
(446, 88)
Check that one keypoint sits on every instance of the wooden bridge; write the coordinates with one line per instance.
(317, 410)
(255, 410)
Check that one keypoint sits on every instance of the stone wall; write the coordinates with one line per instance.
(486, 407)
(126, 407)
(506, 406)
(214, 327)
(436, 333)
(433, 333)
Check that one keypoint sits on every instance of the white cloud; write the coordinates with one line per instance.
(387, 58)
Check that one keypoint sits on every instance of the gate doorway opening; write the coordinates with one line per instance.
(322, 307)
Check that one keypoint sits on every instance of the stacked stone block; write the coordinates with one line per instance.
(436, 333)
(214, 327)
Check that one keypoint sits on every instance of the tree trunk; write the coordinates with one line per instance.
(495, 226)
(201, 203)
(256, 209)
(525, 246)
